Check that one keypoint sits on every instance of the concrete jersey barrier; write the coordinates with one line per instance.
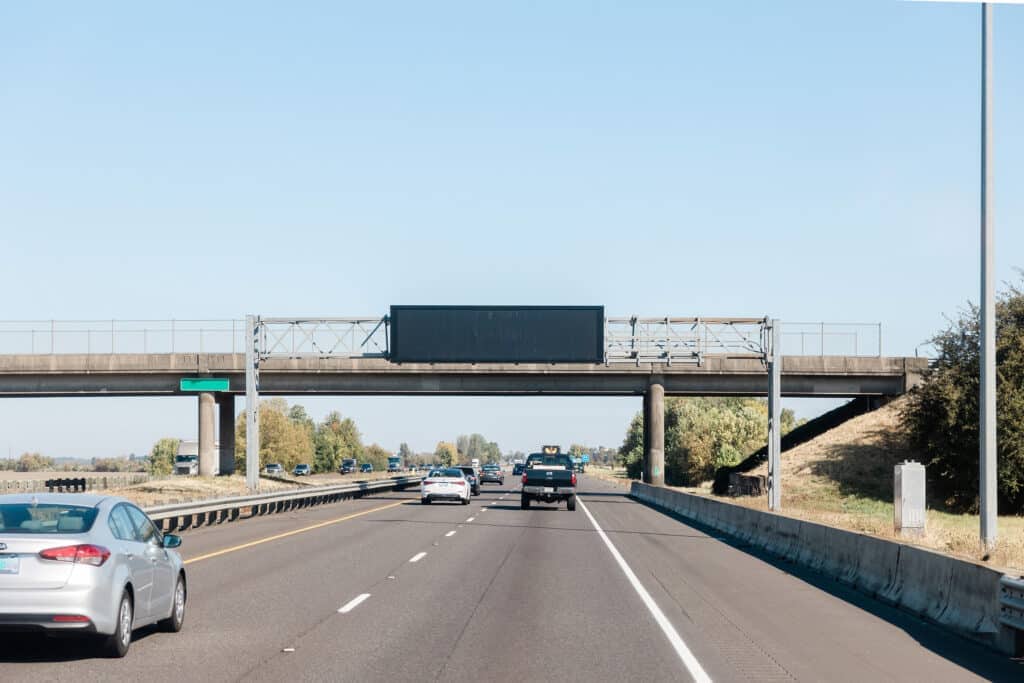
(956, 594)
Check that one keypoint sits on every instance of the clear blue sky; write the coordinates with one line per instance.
(804, 160)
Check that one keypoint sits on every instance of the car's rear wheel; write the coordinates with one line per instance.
(524, 503)
(425, 501)
(570, 503)
(117, 643)
(173, 623)
(465, 501)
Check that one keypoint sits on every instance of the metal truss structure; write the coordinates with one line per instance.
(366, 337)
(684, 340)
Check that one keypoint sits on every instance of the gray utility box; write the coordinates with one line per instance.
(908, 499)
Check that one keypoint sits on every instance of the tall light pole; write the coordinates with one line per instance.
(987, 337)
(988, 488)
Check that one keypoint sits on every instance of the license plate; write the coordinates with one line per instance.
(548, 489)
(9, 565)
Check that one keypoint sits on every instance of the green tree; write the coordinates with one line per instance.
(282, 439)
(33, 462)
(336, 438)
(702, 434)
(941, 414)
(376, 456)
(445, 453)
(161, 457)
(405, 453)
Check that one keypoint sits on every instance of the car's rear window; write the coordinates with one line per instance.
(25, 518)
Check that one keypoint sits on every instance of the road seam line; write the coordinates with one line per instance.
(353, 603)
(417, 557)
(286, 534)
(689, 661)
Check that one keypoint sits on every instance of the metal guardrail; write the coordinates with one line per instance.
(1011, 602)
(178, 516)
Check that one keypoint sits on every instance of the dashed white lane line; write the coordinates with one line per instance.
(450, 533)
(353, 603)
(689, 661)
(417, 557)
(470, 520)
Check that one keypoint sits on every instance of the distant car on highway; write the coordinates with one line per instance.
(366, 467)
(302, 470)
(273, 468)
(492, 473)
(348, 466)
(89, 565)
(445, 484)
(472, 477)
(518, 469)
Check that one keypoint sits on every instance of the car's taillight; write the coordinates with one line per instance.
(70, 618)
(85, 553)
(524, 477)
(428, 482)
(573, 478)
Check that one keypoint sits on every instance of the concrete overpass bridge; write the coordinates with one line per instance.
(648, 357)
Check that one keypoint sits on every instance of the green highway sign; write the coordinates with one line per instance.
(204, 384)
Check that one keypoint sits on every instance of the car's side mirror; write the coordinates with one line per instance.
(171, 541)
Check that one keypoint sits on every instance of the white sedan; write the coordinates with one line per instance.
(446, 484)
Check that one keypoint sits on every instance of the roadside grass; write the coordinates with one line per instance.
(844, 478)
(182, 489)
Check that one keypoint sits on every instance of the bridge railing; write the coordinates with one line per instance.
(121, 336)
(831, 339)
(627, 339)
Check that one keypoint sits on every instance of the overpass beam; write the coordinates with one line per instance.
(207, 453)
(654, 429)
(226, 405)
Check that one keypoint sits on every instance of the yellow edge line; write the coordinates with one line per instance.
(286, 534)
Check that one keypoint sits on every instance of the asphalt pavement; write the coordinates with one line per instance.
(385, 589)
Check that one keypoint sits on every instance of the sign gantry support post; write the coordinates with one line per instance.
(252, 399)
(774, 415)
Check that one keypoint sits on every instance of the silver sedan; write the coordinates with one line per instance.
(89, 564)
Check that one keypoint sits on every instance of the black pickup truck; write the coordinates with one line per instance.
(549, 477)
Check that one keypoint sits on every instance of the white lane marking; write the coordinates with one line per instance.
(470, 520)
(353, 603)
(417, 557)
(483, 509)
(689, 661)
(450, 533)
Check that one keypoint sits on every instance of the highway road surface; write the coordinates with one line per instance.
(386, 589)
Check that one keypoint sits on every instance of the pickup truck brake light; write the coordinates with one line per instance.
(524, 476)
(573, 478)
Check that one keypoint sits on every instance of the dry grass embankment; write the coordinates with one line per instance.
(844, 478)
(183, 489)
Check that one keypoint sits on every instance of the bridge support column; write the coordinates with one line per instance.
(654, 432)
(645, 461)
(226, 404)
(207, 453)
